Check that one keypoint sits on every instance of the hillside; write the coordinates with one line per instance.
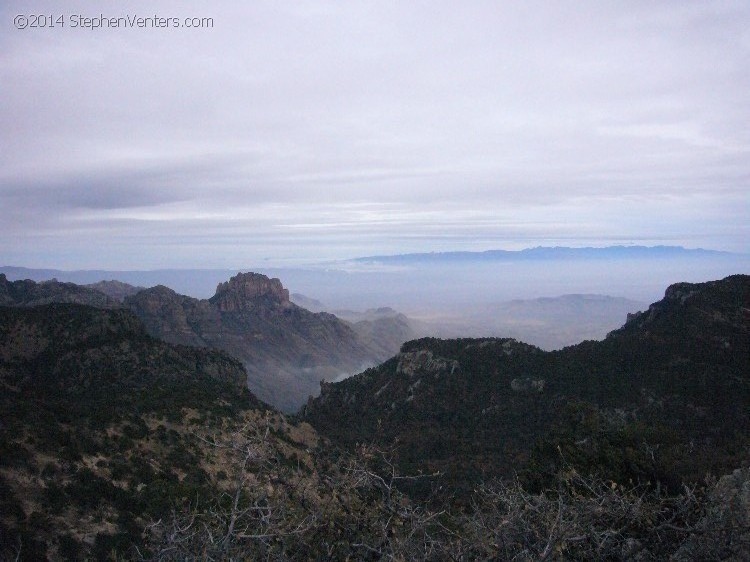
(118, 446)
(670, 387)
(115, 445)
(286, 349)
(97, 433)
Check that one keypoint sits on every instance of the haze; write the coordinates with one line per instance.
(547, 301)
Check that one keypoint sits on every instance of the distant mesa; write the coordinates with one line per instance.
(547, 253)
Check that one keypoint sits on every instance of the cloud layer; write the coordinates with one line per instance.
(317, 130)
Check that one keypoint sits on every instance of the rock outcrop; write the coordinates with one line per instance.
(243, 291)
(425, 362)
(286, 349)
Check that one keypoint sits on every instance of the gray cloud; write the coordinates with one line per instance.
(290, 129)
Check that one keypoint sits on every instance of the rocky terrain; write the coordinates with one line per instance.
(287, 350)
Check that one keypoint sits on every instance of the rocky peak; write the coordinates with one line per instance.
(244, 289)
(154, 299)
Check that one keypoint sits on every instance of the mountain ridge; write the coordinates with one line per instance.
(30, 293)
(672, 375)
(286, 349)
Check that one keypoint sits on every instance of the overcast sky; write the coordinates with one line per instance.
(293, 131)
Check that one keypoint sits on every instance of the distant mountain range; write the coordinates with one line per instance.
(175, 278)
(549, 322)
(547, 253)
(421, 284)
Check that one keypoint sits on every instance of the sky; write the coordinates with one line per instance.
(291, 132)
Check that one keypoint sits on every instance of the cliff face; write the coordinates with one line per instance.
(244, 290)
(286, 349)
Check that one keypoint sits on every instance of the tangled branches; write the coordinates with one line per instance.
(257, 515)
(357, 511)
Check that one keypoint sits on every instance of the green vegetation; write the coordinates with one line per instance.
(87, 399)
(114, 445)
(662, 401)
